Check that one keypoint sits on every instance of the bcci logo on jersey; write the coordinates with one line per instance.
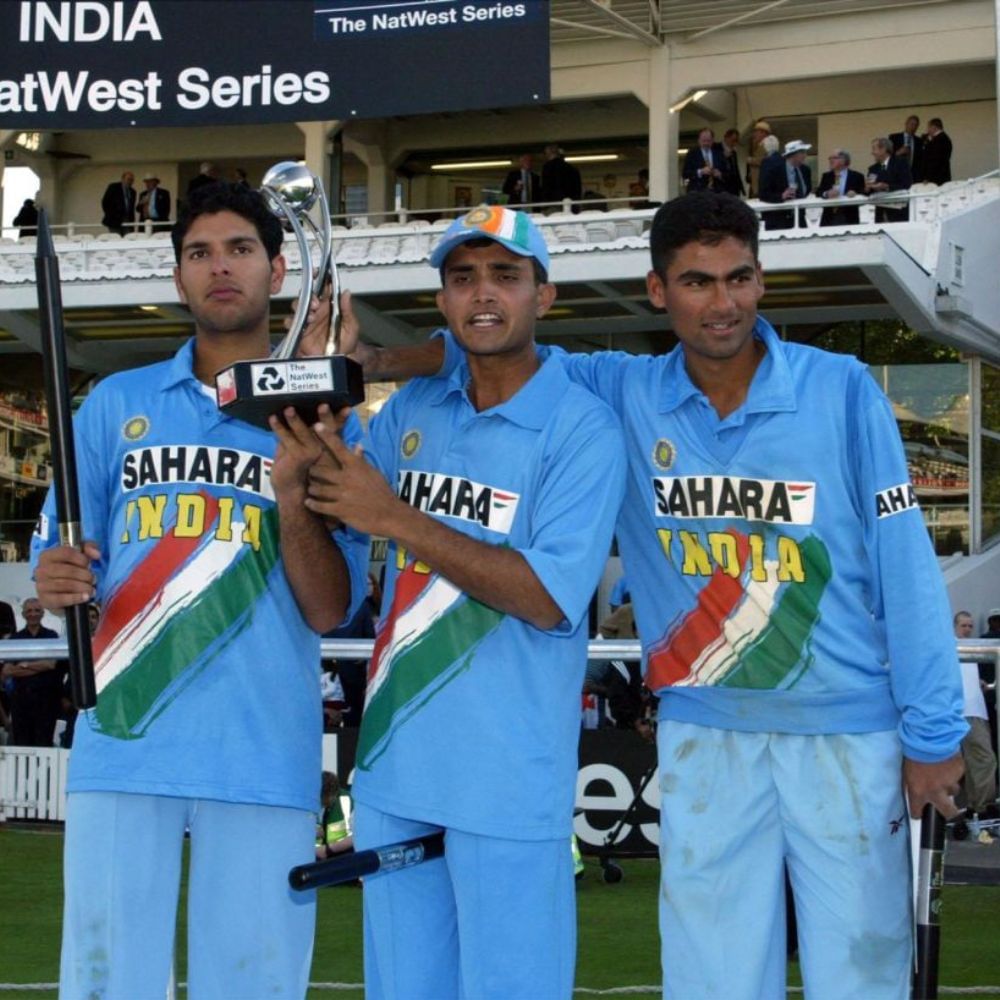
(732, 497)
(453, 496)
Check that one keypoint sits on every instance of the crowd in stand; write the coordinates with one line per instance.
(125, 210)
(779, 174)
(768, 172)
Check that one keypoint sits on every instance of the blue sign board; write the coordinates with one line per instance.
(142, 63)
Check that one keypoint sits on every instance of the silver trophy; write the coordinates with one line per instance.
(253, 390)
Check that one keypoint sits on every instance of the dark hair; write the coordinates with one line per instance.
(937, 123)
(700, 217)
(221, 196)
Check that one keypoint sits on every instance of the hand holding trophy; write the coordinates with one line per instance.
(253, 390)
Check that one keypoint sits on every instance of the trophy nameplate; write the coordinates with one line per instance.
(253, 390)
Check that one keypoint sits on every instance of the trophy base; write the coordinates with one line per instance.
(253, 390)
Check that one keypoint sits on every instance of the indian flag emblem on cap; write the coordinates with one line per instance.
(501, 223)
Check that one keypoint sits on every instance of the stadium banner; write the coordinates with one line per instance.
(613, 767)
(149, 63)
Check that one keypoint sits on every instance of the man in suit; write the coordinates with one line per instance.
(703, 165)
(560, 179)
(732, 180)
(208, 173)
(154, 203)
(523, 186)
(785, 181)
(840, 182)
(937, 153)
(910, 146)
(888, 173)
(118, 204)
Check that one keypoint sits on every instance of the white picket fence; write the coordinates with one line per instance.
(32, 783)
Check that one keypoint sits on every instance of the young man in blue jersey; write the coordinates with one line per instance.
(794, 624)
(215, 583)
(497, 489)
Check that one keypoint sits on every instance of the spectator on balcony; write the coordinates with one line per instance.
(703, 164)
(937, 153)
(910, 146)
(638, 190)
(840, 182)
(154, 203)
(732, 174)
(118, 204)
(560, 179)
(208, 173)
(27, 219)
(888, 173)
(35, 698)
(758, 152)
(612, 192)
(522, 185)
(786, 180)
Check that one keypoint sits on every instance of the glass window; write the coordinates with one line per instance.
(991, 398)
(931, 404)
(990, 449)
(991, 485)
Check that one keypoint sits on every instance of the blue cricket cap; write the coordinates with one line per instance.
(513, 230)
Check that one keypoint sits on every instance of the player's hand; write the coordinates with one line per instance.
(355, 493)
(298, 449)
(64, 577)
(934, 783)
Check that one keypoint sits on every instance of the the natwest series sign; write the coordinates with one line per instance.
(121, 63)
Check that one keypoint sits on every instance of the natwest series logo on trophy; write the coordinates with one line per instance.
(253, 390)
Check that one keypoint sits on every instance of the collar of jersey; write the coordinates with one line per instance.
(531, 406)
(771, 391)
(181, 366)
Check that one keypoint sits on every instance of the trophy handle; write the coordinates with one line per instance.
(289, 344)
(328, 268)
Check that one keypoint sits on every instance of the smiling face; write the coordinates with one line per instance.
(711, 293)
(33, 613)
(491, 300)
(224, 276)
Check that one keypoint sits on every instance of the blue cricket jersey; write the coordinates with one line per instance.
(206, 670)
(472, 716)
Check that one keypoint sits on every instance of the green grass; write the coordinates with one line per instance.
(618, 942)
